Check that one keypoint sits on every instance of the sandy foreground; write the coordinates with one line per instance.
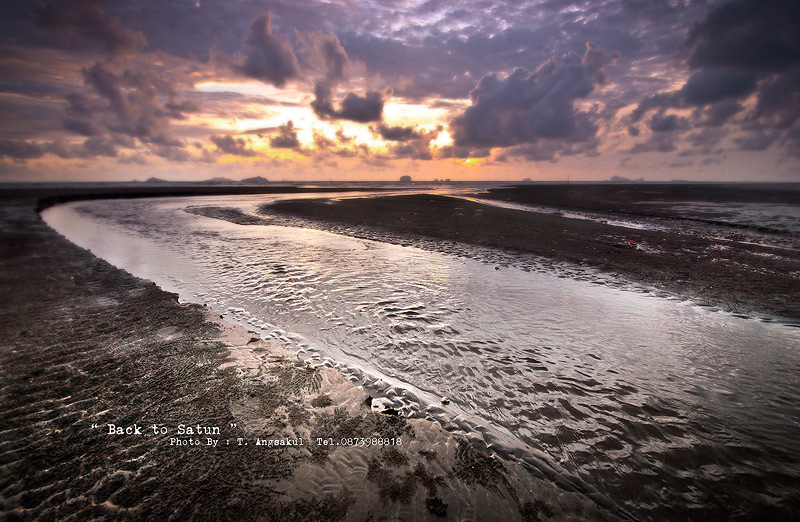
(84, 345)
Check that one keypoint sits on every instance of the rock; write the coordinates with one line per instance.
(383, 405)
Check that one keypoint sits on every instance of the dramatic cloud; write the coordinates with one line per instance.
(122, 106)
(86, 20)
(528, 106)
(286, 138)
(715, 84)
(361, 109)
(756, 35)
(400, 133)
(327, 52)
(267, 57)
(229, 145)
(741, 49)
(661, 122)
(20, 149)
(779, 99)
(92, 82)
(450, 151)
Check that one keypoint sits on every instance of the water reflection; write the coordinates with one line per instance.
(665, 409)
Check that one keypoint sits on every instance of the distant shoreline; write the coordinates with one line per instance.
(47, 196)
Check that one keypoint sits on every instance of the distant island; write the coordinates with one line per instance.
(622, 179)
(255, 180)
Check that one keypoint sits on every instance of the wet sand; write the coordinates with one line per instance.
(730, 274)
(85, 344)
(645, 199)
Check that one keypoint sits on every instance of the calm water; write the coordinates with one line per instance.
(662, 409)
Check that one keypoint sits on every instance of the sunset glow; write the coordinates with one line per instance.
(193, 90)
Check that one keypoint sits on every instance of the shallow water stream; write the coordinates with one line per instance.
(662, 409)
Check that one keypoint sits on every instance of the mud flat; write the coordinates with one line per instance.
(729, 273)
(84, 345)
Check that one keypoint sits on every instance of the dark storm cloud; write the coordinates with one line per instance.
(122, 107)
(443, 53)
(411, 142)
(712, 85)
(779, 99)
(713, 93)
(717, 114)
(286, 138)
(21, 149)
(666, 122)
(70, 20)
(528, 106)
(400, 133)
(128, 103)
(266, 56)
(444, 57)
(229, 145)
(359, 109)
(451, 151)
(756, 35)
(327, 53)
(740, 49)
(742, 59)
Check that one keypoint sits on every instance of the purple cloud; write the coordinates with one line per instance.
(266, 56)
(526, 106)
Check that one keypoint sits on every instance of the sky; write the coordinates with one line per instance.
(305, 90)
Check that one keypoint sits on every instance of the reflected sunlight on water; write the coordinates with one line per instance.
(661, 407)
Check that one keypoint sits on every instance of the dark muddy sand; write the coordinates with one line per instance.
(83, 343)
(730, 273)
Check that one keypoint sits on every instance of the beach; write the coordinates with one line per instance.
(730, 273)
(120, 402)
